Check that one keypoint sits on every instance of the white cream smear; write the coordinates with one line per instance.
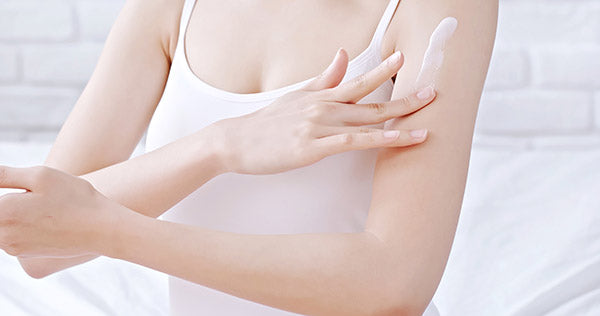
(434, 56)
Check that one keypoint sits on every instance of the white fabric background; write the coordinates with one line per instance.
(528, 241)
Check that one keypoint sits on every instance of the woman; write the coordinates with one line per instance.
(325, 229)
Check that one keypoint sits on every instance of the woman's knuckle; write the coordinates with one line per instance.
(297, 151)
(360, 81)
(329, 108)
(306, 130)
(313, 111)
(40, 173)
(378, 108)
(348, 139)
(371, 138)
(3, 175)
(407, 103)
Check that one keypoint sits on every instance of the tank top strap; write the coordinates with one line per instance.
(382, 27)
(186, 14)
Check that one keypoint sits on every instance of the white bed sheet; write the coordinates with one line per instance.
(101, 287)
(528, 243)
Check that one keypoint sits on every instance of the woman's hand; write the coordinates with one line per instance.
(59, 215)
(322, 119)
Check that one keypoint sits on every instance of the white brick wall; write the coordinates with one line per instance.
(566, 68)
(509, 69)
(48, 50)
(30, 20)
(543, 88)
(96, 17)
(531, 112)
(61, 64)
(532, 22)
(597, 110)
(542, 92)
(35, 108)
(9, 66)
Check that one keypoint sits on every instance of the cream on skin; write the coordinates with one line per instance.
(434, 55)
(417, 196)
(433, 59)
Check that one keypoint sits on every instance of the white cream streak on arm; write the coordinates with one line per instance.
(434, 55)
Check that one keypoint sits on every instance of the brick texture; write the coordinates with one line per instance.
(576, 68)
(36, 20)
(597, 111)
(509, 69)
(535, 112)
(35, 108)
(96, 17)
(8, 64)
(542, 90)
(530, 22)
(60, 64)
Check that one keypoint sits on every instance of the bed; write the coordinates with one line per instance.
(528, 243)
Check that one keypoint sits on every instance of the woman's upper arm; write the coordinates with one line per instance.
(117, 104)
(418, 191)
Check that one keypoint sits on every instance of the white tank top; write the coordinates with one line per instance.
(332, 195)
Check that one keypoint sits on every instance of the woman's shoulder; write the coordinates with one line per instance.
(165, 16)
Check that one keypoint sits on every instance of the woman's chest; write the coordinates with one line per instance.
(256, 46)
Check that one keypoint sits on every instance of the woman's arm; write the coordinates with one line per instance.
(151, 183)
(116, 105)
(393, 267)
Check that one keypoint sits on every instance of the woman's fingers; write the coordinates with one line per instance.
(333, 75)
(16, 178)
(338, 143)
(371, 113)
(326, 131)
(359, 87)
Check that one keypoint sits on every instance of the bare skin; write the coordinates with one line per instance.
(398, 259)
(99, 151)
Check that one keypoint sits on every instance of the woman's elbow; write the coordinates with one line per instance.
(400, 307)
(398, 310)
(35, 271)
(394, 299)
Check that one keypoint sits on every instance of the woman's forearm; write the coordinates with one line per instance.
(152, 183)
(149, 184)
(313, 274)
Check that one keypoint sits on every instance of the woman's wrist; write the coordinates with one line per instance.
(116, 236)
(212, 149)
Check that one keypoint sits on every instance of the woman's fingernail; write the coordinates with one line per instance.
(337, 54)
(331, 65)
(418, 133)
(425, 93)
(395, 58)
(391, 134)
